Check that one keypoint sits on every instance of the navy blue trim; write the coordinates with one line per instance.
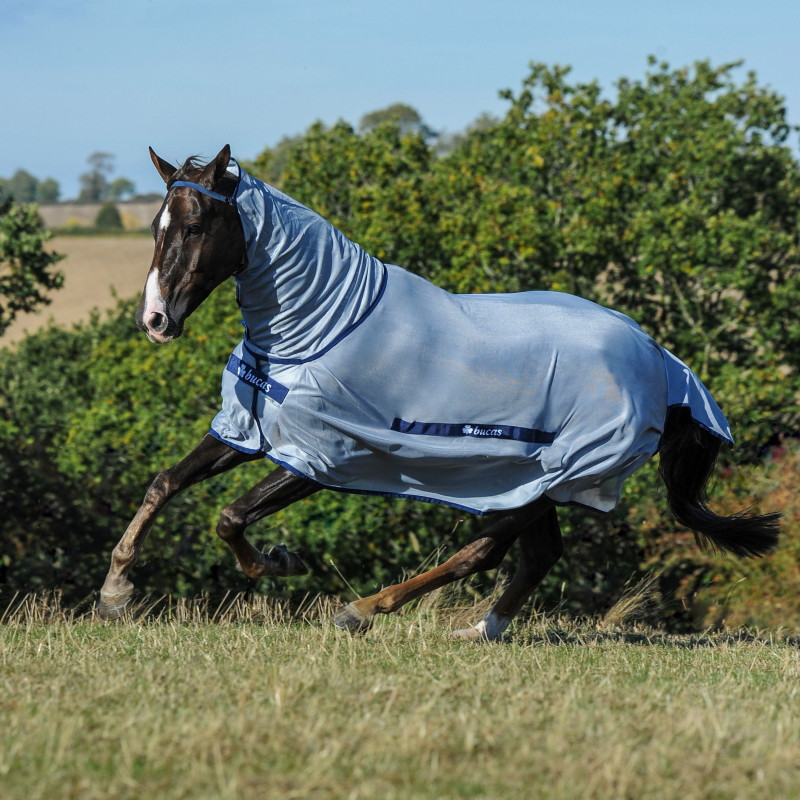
(374, 493)
(473, 430)
(231, 201)
(257, 352)
(416, 497)
(250, 451)
(258, 380)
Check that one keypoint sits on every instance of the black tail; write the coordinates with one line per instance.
(688, 456)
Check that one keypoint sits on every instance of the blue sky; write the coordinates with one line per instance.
(187, 76)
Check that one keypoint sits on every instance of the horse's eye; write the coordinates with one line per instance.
(194, 230)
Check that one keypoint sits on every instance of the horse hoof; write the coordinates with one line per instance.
(113, 607)
(473, 634)
(350, 619)
(289, 563)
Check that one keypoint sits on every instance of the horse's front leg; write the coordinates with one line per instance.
(210, 457)
(278, 490)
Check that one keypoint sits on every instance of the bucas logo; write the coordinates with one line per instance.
(471, 430)
(258, 380)
(254, 379)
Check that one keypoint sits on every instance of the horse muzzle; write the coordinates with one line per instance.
(159, 327)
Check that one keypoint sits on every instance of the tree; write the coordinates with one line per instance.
(271, 163)
(120, 188)
(48, 191)
(21, 187)
(447, 142)
(94, 183)
(26, 269)
(405, 117)
(373, 187)
(25, 188)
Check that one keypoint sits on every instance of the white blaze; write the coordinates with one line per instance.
(152, 294)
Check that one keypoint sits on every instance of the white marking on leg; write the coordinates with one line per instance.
(487, 630)
(492, 626)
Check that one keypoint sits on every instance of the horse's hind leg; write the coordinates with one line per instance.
(482, 553)
(541, 546)
(210, 457)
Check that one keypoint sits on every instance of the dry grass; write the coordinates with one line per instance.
(246, 700)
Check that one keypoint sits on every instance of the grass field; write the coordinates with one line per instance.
(97, 269)
(185, 700)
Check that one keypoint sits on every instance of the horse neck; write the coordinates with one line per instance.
(307, 283)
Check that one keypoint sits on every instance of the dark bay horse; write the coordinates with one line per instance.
(357, 376)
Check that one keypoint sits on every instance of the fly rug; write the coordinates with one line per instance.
(358, 376)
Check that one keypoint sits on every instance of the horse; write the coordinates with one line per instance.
(358, 376)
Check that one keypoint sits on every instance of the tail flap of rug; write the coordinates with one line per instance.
(685, 389)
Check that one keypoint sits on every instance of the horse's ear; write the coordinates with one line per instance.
(165, 169)
(214, 170)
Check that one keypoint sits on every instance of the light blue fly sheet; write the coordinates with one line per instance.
(366, 378)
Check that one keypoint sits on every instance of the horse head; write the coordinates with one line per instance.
(199, 243)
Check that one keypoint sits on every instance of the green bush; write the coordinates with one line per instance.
(108, 218)
(26, 268)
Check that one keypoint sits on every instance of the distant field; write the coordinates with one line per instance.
(218, 703)
(94, 265)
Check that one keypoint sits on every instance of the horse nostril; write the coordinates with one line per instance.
(157, 322)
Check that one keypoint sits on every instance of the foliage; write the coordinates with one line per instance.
(94, 182)
(26, 268)
(20, 187)
(725, 591)
(25, 188)
(120, 188)
(96, 186)
(405, 117)
(677, 202)
(271, 163)
(50, 534)
(48, 191)
(108, 218)
(375, 187)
